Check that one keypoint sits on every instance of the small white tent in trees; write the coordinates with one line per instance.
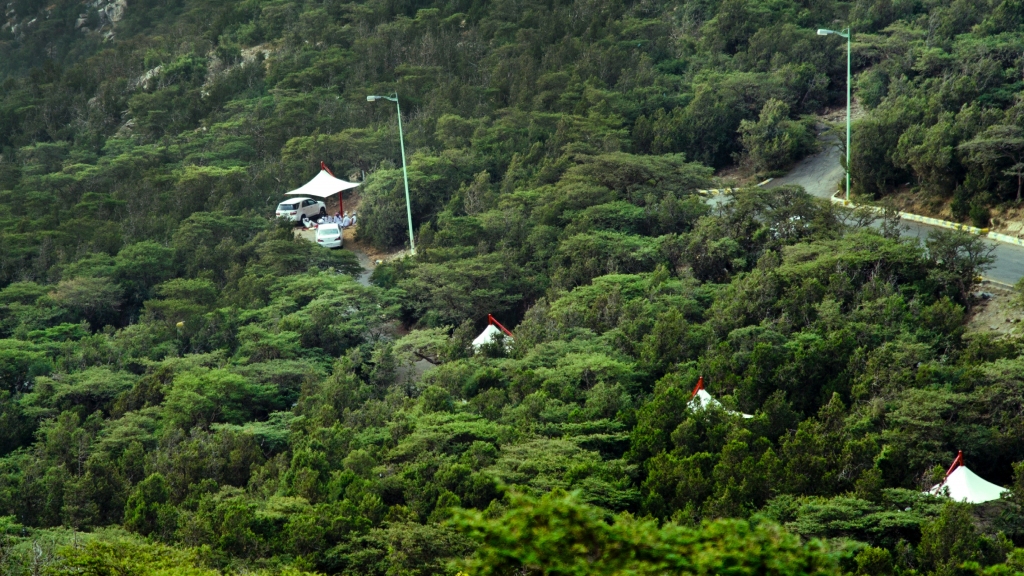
(704, 399)
(966, 486)
(485, 337)
(488, 335)
(324, 185)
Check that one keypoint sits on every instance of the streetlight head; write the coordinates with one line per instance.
(372, 98)
(823, 32)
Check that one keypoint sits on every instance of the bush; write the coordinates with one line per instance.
(774, 141)
(557, 534)
(95, 300)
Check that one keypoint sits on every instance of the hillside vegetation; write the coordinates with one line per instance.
(186, 389)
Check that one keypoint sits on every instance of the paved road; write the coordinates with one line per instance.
(821, 174)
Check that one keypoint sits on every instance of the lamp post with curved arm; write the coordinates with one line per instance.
(845, 34)
(405, 172)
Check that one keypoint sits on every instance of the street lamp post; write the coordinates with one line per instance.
(405, 171)
(845, 34)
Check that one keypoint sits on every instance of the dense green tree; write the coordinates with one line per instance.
(774, 141)
(177, 364)
(556, 534)
(1001, 149)
(146, 510)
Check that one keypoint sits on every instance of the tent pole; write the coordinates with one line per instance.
(698, 387)
(959, 461)
(494, 322)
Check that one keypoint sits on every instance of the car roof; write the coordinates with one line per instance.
(290, 200)
(322, 226)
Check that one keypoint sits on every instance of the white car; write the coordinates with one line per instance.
(294, 209)
(329, 236)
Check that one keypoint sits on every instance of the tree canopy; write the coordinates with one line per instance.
(187, 389)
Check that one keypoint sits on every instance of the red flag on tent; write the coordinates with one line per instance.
(698, 387)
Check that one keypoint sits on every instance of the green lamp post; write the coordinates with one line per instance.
(405, 172)
(845, 34)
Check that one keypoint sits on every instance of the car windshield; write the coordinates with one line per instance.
(327, 230)
(284, 206)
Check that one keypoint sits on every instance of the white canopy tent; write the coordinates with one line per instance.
(704, 399)
(323, 185)
(963, 485)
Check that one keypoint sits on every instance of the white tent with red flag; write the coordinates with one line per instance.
(324, 185)
(963, 485)
(704, 399)
(490, 333)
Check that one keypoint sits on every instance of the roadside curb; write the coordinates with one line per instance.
(944, 223)
(996, 284)
(1004, 238)
(717, 191)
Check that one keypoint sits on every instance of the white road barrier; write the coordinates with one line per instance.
(1005, 238)
(715, 191)
(940, 223)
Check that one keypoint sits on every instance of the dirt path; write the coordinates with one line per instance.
(368, 256)
(994, 311)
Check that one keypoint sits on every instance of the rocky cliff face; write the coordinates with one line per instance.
(100, 16)
(108, 14)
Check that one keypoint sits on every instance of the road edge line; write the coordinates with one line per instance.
(996, 236)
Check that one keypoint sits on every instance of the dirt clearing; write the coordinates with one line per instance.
(994, 311)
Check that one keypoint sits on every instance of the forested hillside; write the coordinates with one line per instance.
(186, 389)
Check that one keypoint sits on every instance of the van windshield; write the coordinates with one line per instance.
(286, 206)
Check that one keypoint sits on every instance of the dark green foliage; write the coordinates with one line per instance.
(558, 535)
(146, 510)
(953, 135)
(175, 364)
(774, 141)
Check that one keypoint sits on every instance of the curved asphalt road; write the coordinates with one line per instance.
(821, 174)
